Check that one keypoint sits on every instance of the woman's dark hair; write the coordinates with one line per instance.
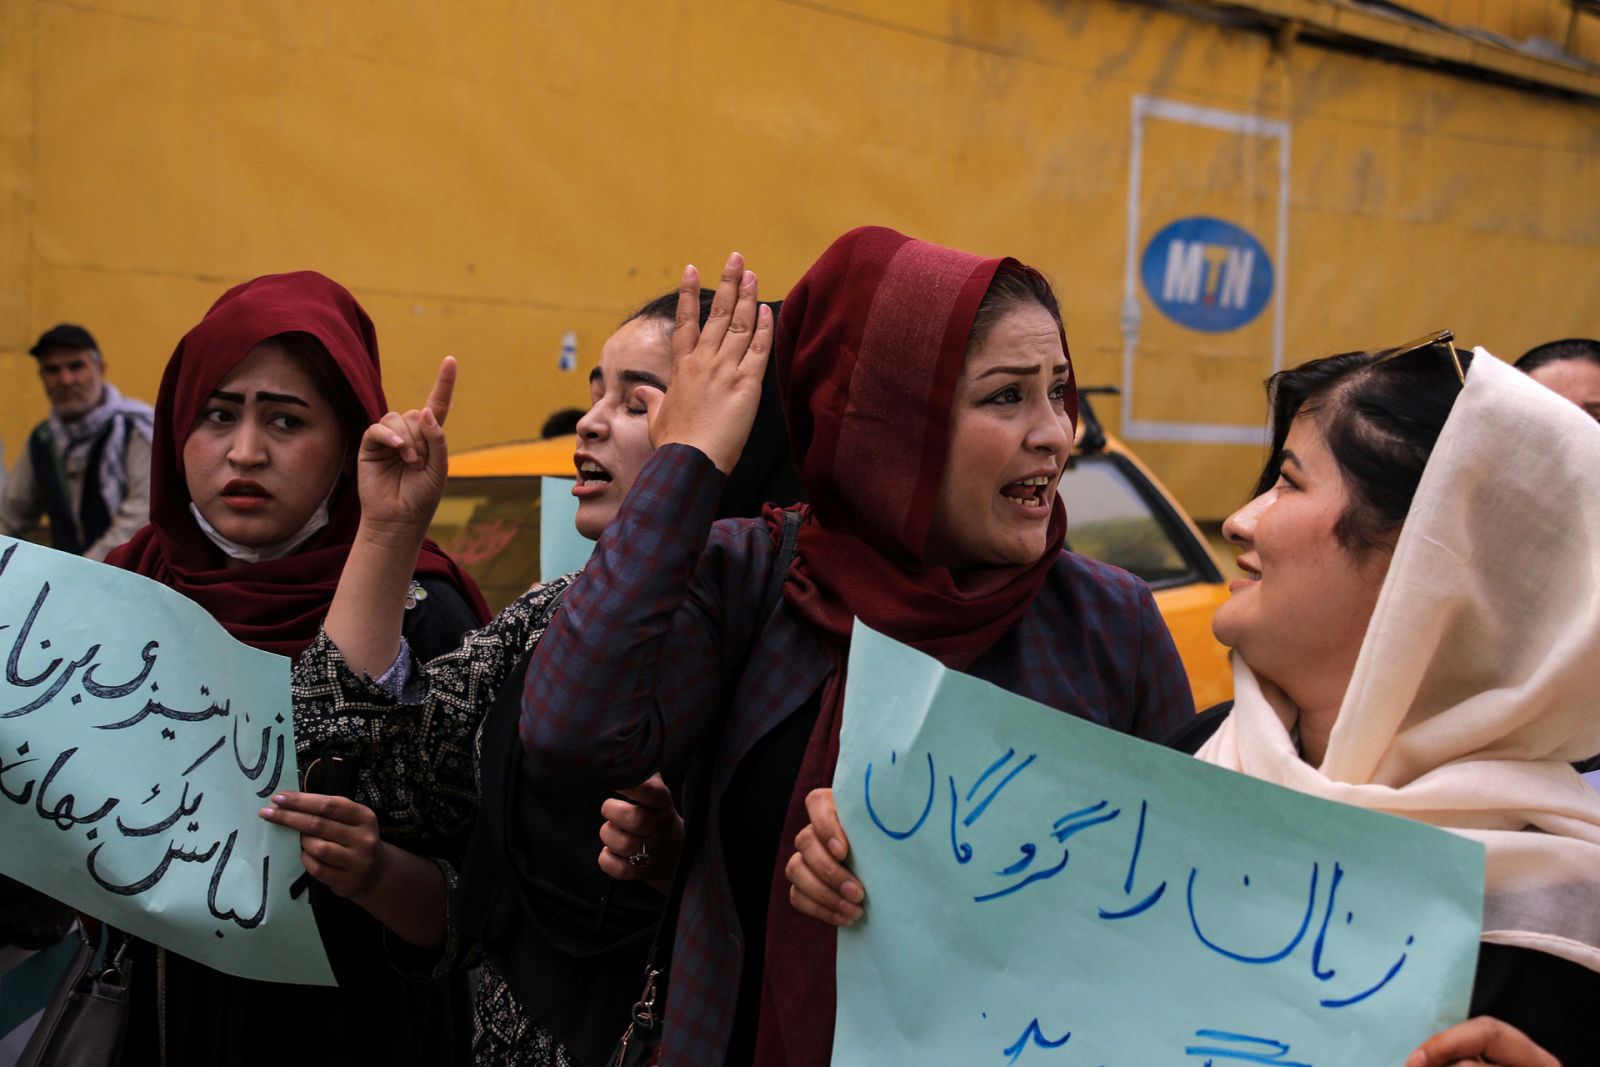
(1559, 351)
(1380, 420)
(1014, 285)
(665, 307)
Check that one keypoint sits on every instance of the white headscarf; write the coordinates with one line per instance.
(1479, 676)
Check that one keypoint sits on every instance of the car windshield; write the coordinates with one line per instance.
(491, 527)
(1111, 520)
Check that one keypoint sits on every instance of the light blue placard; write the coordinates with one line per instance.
(138, 741)
(562, 549)
(1593, 778)
(1031, 876)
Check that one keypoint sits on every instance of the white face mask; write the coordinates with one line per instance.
(246, 554)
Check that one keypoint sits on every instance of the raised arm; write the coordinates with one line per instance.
(415, 743)
(400, 472)
(628, 670)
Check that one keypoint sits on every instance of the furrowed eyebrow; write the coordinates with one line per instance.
(1020, 372)
(281, 398)
(595, 376)
(639, 377)
(232, 398)
(1013, 371)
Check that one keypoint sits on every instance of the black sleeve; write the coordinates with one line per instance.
(1550, 999)
(438, 620)
(1197, 730)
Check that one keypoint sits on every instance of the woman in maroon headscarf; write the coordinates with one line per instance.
(931, 405)
(253, 509)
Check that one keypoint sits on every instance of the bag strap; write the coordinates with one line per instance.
(697, 786)
(81, 979)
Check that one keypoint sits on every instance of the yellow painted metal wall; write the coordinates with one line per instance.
(488, 176)
(1557, 21)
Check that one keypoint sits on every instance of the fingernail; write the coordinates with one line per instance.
(849, 913)
(279, 798)
(266, 813)
(853, 891)
(836, 847)
(689, 272)
(1418, 1058)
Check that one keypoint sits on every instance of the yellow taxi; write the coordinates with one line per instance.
(1120, 513)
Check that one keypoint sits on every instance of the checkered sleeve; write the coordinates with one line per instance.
(627, 672)
(1163, 700)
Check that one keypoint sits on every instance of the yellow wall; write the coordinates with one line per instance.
(1518, 20)
(487, 176)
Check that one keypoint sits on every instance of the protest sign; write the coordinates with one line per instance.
(1044, 890)
(138, 741)
(562, 549)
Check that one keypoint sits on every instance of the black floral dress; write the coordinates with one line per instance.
(417, 753)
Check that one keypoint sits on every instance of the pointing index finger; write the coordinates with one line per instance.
(444, 388)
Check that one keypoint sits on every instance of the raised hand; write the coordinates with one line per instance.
(403, 462)
(401, 473)
(716, 371)
(820, 885)
(642, 835)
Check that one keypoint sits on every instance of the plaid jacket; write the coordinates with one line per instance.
(628, 672)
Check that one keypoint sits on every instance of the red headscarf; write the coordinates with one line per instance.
(870, 348)
(275, 605)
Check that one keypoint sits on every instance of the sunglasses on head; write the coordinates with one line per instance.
(1442, 339)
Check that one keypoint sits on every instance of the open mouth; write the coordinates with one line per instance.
(1029, 492)
(591, 473)
(243, 489)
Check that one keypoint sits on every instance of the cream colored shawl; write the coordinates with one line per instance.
(1479, 677)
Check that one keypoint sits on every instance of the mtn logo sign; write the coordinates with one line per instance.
(1207, 274)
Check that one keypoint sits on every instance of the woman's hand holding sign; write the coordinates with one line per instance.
(820, 885)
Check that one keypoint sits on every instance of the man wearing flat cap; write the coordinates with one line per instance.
(88, 465)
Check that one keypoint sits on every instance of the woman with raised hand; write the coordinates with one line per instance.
(930, 402)
(1415, 633)
(562, 945)
(253, 510)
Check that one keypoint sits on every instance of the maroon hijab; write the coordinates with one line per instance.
(275, 605)
(870, 348)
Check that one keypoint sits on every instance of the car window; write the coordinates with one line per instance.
(1111, 520)
(491, 527)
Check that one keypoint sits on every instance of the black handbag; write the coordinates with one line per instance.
(640, 1043)
(84, 1023)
